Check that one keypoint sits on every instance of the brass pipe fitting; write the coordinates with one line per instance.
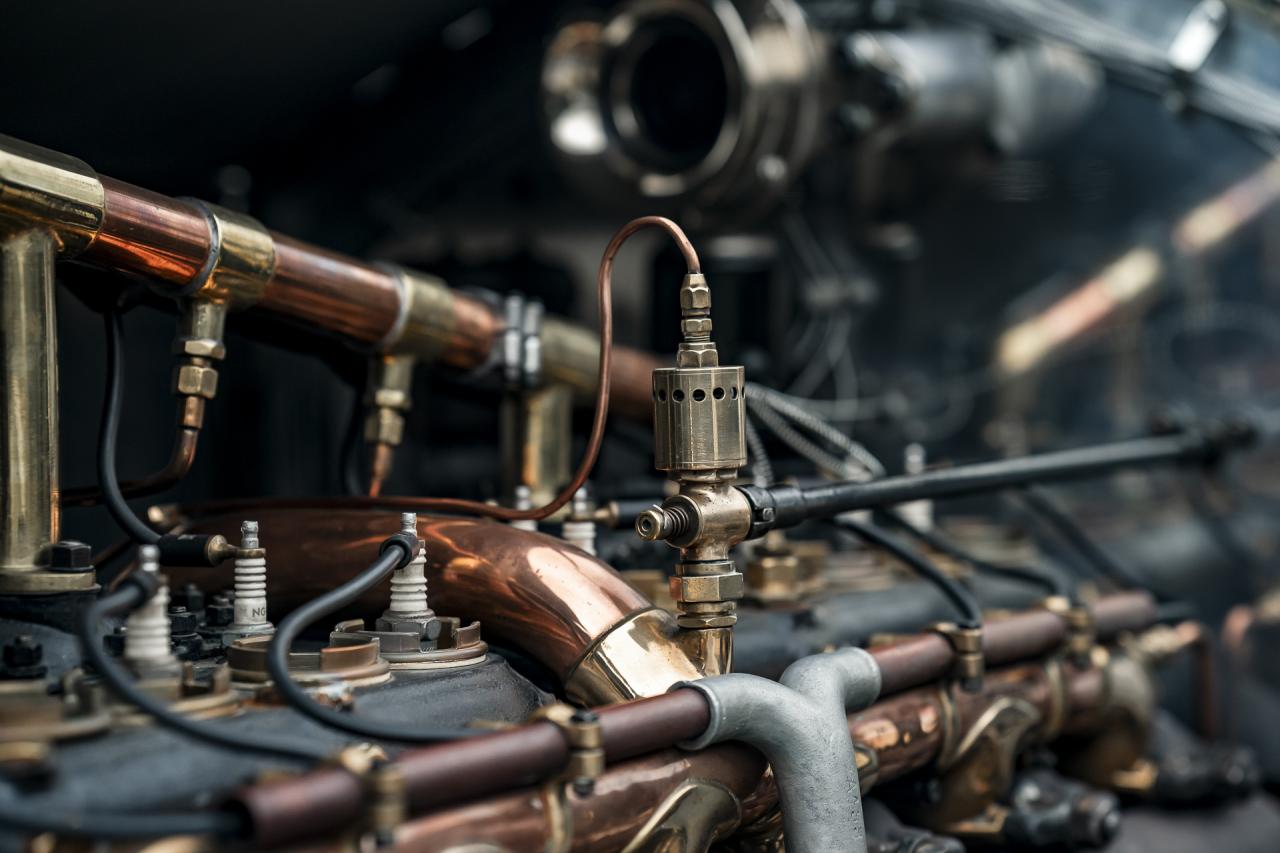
(241, 261)
(699, 418)
(427, 322)
(970, 664)
(51, 207)
(1082, 634)
(389, 397)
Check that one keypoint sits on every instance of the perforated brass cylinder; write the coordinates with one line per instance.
(698, 417)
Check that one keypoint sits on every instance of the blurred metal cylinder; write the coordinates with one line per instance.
(703, 104)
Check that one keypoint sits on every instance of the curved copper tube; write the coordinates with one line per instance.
(181, 458)
(531, 591)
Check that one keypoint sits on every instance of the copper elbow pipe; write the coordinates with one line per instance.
(568, 610)
(181, 458)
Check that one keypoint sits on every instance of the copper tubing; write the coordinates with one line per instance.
(533, 591)
(907, 732)
(1199, 640)
(326, 800)
(1121, 612)
(167, 241)
(181, 458)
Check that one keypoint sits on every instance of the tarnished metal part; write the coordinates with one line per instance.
(537, 438)
(969, 662)
(456, 645)
(345, 663)
(774, 573)
(697, 813)
(29, 713)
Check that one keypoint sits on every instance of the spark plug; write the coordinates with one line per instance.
(579, 530)
(146, 642)
(409, 609)
(251, 587)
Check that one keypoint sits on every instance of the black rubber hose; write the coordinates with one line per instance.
(133, 592)
(1052, 581)
(1047, 508)
(1219, 527)
(970, 612)
(111, 403)
(396, 552)
(111, 826)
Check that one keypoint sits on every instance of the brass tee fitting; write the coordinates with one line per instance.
(699, 440)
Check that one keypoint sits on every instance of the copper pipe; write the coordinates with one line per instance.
(168, 242)
(907, 732)
(181, 458)
(535, 592)
(149, 235)
(1123, 611)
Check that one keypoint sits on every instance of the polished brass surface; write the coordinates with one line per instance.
(46, 191)
(427, 321)
(243, 259)
(537, 436)
(536, 591)
(29, 507)
(644, 655)
(694, 815)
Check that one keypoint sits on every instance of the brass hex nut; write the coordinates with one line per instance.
(391, 398)
(384, 426)
(195, 380)
(695, 355)
(698, 588)
(201, 348)
(694, 294)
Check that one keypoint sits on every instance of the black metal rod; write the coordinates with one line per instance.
(786, 506)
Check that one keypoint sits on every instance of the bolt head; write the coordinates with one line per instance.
(219, 613)
(23, 650)
(70, 555)
(584, 787)
(182, 621)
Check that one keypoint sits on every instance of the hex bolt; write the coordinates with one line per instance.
(24, 658)
(147, 631)
(70, 556)
(250, 586)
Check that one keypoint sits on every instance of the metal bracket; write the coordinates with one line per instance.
(970, 665)
(581, 730)
(521, 352)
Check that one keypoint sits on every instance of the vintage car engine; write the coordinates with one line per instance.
(832, 426)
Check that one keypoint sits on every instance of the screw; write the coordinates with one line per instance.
(409, 523)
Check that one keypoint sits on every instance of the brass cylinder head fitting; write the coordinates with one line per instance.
(698, 419)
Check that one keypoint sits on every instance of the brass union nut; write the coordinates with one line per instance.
(201, 348)
(697, 355)
(695, 294)
(195, 380)
(699, 588)
(384, 426)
